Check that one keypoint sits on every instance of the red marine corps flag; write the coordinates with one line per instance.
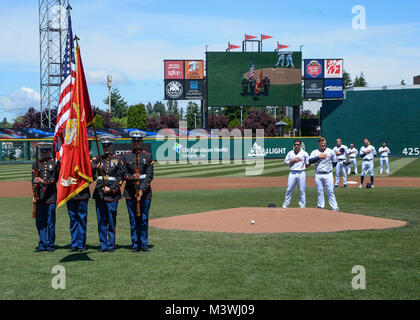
(76, 171)
(259, 84)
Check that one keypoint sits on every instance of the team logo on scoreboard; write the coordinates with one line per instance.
(334, 68)
(314, 69)
(174, 89)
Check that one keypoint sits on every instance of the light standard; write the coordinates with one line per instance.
(109, 83)
(241, 114)
(195, 120)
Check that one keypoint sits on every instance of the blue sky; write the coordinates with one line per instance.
(130, 38)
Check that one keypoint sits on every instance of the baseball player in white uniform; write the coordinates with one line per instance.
(341, 152)
(324, 158)
(352, 152)
(384, 152)
(298, 161)
(367, 152)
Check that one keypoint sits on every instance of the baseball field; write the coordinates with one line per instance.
(221, 265)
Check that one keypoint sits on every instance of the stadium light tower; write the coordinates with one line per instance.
(52, 41)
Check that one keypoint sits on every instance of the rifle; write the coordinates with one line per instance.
(35, 186)
(137, 185)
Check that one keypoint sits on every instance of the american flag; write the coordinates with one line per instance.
(251, 70)
(67, 82)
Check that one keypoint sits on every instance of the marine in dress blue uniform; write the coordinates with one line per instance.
(107, 193)
(143, 160)
(46, 200)
(77, 209)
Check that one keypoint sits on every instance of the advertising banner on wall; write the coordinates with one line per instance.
(174, 69)
(314, 68)
(174, 89)
(313, 89)
(333, 88)
(333, 68)
(194, 89)
(194, 69)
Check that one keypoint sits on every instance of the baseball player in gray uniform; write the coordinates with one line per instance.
(384, 152)
(352, 152)
(367, 152)
(298, 161)
(341, 152)
(324, 158)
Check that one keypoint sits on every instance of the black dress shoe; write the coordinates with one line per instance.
(145, 249)
(110, 250)
(80, 250)
(73, 249)
(102, 250)
(40, 249)
(135, 250)
(51, 249)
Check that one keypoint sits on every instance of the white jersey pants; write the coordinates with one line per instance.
(296, 178)
(383, 161)
(325, 181)
(367, 168)
(353, 163)
(340, 167)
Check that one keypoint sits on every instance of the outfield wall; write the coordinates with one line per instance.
(184, 149)
(382, 114)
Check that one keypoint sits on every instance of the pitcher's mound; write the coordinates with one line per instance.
(274, 220)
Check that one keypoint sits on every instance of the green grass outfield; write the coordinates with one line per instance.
(207, 265)
(409, 167)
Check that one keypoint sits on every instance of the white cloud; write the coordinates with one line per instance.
(20, 100)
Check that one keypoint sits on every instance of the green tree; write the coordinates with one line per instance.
(122, 122)
(136, 117)
(234, 123)
(360, 81)
(149, 109)
(5, 123)
(119, 107)
(99, 122)
(347, 82)
(193, 115)
(158, 109)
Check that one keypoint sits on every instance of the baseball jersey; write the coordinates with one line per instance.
(342, 156)
(385, 152)
(352, 152)
(370, 155)
(323, 165)
(297, 166)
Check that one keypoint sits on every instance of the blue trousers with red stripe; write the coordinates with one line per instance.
(78, 222)
(106, 212)
(139, 226)
(45, 224)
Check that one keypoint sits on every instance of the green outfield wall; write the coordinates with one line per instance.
(390, 115)
(181, 149)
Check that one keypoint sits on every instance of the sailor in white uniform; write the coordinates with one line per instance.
(384, 152)
(324, 158)
(341, 152)
(367, 152)
(352, 152)
(298, 161)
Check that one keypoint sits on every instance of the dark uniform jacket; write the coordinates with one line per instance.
(48, 170)
(111, 169)
(266, 82)
(83, 195)
(146, 171)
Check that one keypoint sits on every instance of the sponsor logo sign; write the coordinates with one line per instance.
(194, 89)
(174, 89)
(259, 151)
(313, 89)
(314, 68)
(174, 69)
(194, 69)
(333, 88)
(333, 68)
